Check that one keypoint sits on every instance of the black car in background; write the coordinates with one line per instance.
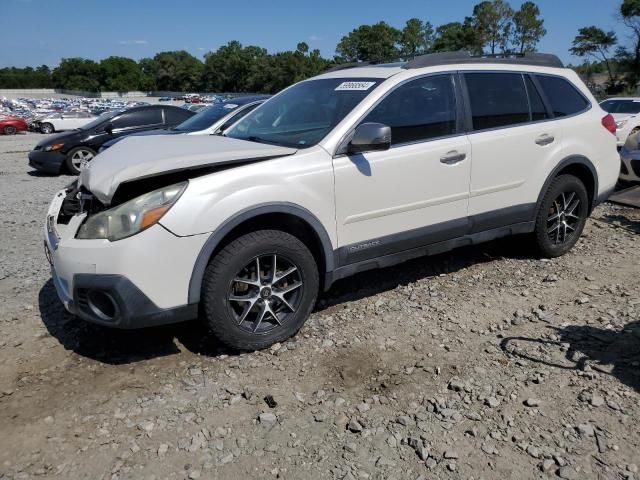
(212, 120)
(69, 150)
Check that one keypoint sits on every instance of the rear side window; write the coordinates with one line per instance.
(139, 118)
(497, 99)
(563, 96)
(538, 110)
(174, 116)
(419, 110)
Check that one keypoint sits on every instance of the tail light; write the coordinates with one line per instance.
(609, 123)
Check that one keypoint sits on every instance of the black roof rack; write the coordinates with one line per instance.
(446, 58)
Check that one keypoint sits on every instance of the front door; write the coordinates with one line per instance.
(416, 193)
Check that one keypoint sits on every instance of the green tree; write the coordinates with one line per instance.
(454, 36)
(595, 42)
(492, 24)
(416, 38)
(630, 14)
(120, 74)
(528, 27)
(147, 70)
(28, 77)
(77, 74)
(177, 71)
(231, 68)
(370, 43)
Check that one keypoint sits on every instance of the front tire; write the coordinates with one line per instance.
(76, 157)
(259, 290)
(10, 130)
(47, 128)
(562, 216)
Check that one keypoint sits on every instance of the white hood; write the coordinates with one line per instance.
(147, 156)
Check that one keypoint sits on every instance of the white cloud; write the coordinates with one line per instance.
(133, 42)
(314, 38)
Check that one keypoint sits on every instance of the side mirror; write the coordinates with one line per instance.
(370, 137)
(108, 128)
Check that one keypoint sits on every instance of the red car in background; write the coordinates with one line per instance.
(12, 125)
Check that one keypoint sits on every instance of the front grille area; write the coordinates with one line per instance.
(635, 166)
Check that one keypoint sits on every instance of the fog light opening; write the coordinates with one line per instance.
(102, 305)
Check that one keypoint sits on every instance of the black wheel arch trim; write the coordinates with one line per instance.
(221, 232)
(567, 162)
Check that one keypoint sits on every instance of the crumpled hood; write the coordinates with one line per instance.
(147, 156)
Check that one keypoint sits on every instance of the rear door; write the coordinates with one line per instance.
(513, 140)
(415, 193)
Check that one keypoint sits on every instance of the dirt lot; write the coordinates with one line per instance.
(479, 363)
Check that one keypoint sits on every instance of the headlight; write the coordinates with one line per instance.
(133, 216)
(621, 124)
(55, 146)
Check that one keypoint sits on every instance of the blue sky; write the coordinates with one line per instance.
(33, 32)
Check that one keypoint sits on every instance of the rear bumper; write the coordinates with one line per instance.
(50, 162)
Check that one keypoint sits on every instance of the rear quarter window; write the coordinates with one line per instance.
(565, 99)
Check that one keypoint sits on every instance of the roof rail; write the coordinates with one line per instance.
(344, 66)
(447, 58)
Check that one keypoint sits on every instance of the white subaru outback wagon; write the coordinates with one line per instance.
(358, 168)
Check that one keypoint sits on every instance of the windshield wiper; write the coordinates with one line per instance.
(253, 138)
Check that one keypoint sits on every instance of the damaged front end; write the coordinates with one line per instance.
(133, 213)
(77, 200)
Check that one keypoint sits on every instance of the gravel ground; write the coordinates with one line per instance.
(479, 363)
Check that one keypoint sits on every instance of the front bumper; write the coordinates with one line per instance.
(136, 282)
(50, 162)
(630, 166)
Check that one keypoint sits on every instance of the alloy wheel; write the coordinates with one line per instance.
(265, 293)
(80, 157)
(564, 217)
(10, 130)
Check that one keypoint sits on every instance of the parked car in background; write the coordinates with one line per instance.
(165, 99)
(630, 159)
(59, 122)
(625, 112)
(71, 149)
(210, 121)
(11, 125)
(355, 169)
(195, 107)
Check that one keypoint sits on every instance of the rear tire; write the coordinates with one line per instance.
(250, 311)
(561, 216)
(10, 130)
(47, 128)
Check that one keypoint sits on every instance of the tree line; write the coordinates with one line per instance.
(493, 27)
(603, 52)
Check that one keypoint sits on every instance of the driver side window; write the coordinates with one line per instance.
(419, 110)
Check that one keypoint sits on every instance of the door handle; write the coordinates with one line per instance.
(453, 157)
(545, 139)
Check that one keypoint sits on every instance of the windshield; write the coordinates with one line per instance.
(206, 118)
(100, 119)
(304, 114)
(621, 106)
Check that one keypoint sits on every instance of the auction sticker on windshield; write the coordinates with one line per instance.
(355, 86)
